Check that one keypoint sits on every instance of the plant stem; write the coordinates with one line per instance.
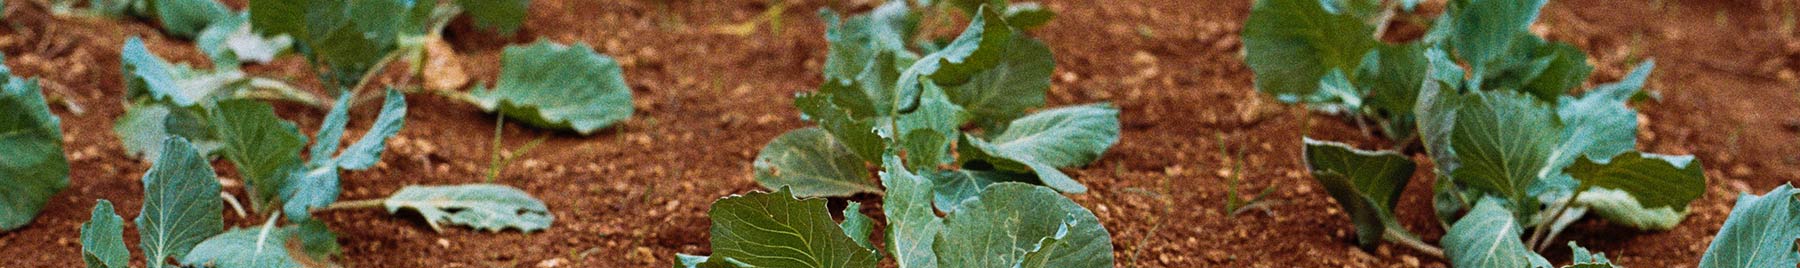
(1412, 243)
(353, 204)
(1544, 228)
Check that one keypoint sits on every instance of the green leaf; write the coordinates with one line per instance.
(912, 225)
(1503, 142)
(951, 188)
(777, 230)
(1627, 88)
(856, 42)
(536, 87)
(857, 135)
(489, 207)
(1010, 220)
(857, 226)
(330, 135)
(316, 240)
(230, 41)
(312, 187)
(1585, 259)
(366, 151)
(1597, 127)
(103, 238)
(149, 78)
(1395, 78)
(1058, 137)
(350, 37)
(502, 16)
(1004, 92)
(1366, 183)
(1656, 181)
(982, 46)
(935, 113)
(1759, 233)
(1487, 29)
(1567, 69)
(253, 247)
(1619, 207)
(812, 163)
(1291, 44)
(1489, 237)
(33, 168)
(265, 148)
(185, 18)
(142, 128)
(181, 203)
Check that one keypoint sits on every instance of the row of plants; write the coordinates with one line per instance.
(950, 126)
(179, 118)
(1518, 155)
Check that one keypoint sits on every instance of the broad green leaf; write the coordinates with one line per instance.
(912, 225)
(1585, 259)
(1567, 69)
(857, 226)
(1489, 237)
(1597, 127)
(778, 230)
(186, 18)
(1010, 220)
(1486, 29)
(1759, 233)
(309, 188)
(1366, 183)
(951, 188)
(103, 238)
(1435, 117)
(150, 78)
(265, 148)
(1291, 44)
(857, 135)
(812, 163)
(349, 37)
(1619, 207)
(366, 151)
(1394, 79)
(925, 149)
(1503, 141)
(1656, 181)
(143, 126)
(1059, 137)
(559, 87)
(33, 167)
(181, 203)
(1337, 88)
(1028, 15)
(251, 247)
(316, 240)
(502, 16)
(857, 41)
(1003, 93)
(983, 45)
(869, 93)
(935, 113)
(1627, 88)
(488, 207)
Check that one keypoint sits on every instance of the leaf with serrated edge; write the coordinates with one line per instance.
(812, 163)
(1488, 237)
(366, 151)
(1291, 44)
(1366, 183)
(561, 87)
(33, 167)
(778, 230)
(1759, 233)
(1585, 259)
(103, 238)
(1009, 220)
(857, 226)
(488, 207)
(181, 203)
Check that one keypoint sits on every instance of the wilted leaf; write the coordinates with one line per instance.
(812, 163)
(1366, 183)
(1291, 44)
(777, 230)
(487, 207)
(181, 203)
(33, 167)
(103, 238)
(560, 87)
(1759, 233)
(1488, 237)
(1010, 220)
